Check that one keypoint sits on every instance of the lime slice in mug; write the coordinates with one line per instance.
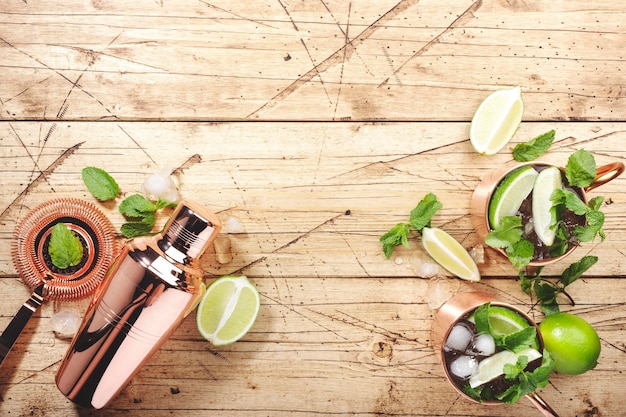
(510, 194)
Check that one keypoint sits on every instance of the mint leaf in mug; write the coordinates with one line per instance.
(534, 148)
(65, 248)
(580, 169)
(100, 183)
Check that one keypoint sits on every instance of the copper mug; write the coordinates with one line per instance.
(479, 204)
(459, 307)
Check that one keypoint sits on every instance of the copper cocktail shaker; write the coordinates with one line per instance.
(151, 287)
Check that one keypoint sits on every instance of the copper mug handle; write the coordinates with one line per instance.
(541, 405)
(606, 173)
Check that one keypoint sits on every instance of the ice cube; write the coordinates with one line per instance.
(483, 344)
(464, 366)
(459, 338)
(65, 323)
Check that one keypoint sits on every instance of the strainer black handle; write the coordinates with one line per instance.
(17, 324)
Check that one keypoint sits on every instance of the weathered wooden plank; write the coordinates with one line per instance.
(351, 347)
(316, 195)
(331, 60)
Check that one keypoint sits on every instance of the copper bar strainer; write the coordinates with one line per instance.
(29, 251)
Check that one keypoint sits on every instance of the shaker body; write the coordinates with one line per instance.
(139, 304)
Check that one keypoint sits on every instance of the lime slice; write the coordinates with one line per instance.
(510, 194)
(493, 366)
(544, 218)
(449, 253)
(504, 321)
(496, 120)
(227, 310)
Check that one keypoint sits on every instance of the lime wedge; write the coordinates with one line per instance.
(504, 321)
(449, 253)
(493, 366)
(510, 193)
(496, 120)
(544, 218)
(227, 310)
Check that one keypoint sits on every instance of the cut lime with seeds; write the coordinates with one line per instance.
(510, 193)
(227, 310)
(493, 366)
(544, 218)
(449, 253)
(496, 120)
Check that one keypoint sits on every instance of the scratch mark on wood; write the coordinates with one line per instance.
(191, 161)
(297, 311)
(459, 21)
(393, 69)
(138, 145)
(42, 177)
(343, 61)
(336, 58)
(374, 328)
(76, 84)
(286, 245)
(212, 6)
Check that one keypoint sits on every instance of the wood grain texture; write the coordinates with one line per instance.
(308, 60)
(342, 330)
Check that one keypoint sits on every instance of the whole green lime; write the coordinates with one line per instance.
(572, 342)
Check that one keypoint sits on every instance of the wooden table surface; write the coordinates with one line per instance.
(319, 125)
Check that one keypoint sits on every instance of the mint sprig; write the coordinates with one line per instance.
(65, 248)
(420, 217)
(524, 152)
(526, 382)
(547, 291)
(143, 214)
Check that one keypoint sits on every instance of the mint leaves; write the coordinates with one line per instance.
(509, 236)
(547, 291)
(140, 211)
(100, 184)
(524, 152)
(65, 247)
(526, 382)
(419, 218)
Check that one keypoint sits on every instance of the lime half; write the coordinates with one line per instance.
(496, 120)
(544, 218)
(227, 310)
(493, 366)
(510, 194)
(449, 253)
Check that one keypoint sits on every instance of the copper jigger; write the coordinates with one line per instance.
(460, 306)
(479, 204)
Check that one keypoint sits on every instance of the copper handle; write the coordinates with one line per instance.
(17, 324)
(541, 405)
(605, 174)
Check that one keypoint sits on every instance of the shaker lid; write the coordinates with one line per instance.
(189, 232)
